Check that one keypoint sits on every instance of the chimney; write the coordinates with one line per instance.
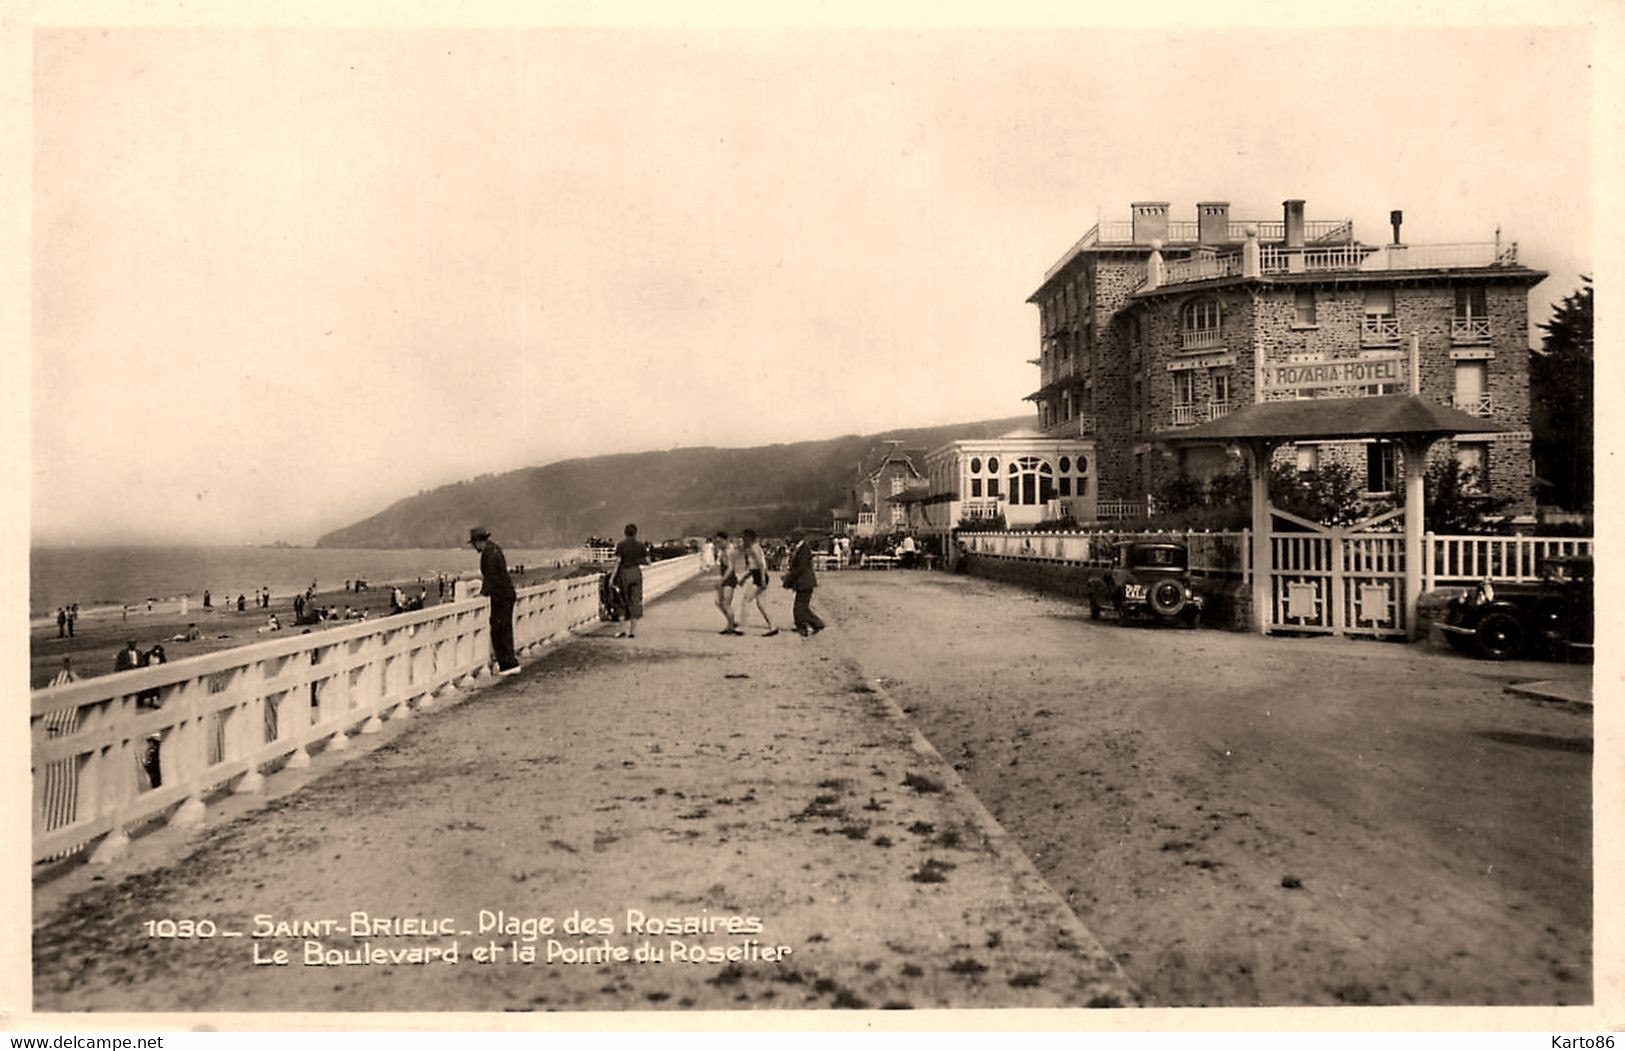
(1213, 222)
(1293, 216)
(1397, 217)
(1150, 221)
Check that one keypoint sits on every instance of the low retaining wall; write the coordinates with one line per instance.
(224, 719)
(1228, 599)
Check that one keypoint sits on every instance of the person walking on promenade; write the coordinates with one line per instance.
(753, 581)
(727, 581)
(630, 556)
(498, 587)
(801, 579)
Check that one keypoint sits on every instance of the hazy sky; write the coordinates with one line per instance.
(283, 277)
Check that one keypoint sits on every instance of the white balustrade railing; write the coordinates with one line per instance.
(1111, 510)
(1217, 409)
(1201, 268)
(223, 718)
(1200, 338)
(1184, 415)
(1474, 404)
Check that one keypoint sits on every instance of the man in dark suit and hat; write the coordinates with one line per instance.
(497, 586)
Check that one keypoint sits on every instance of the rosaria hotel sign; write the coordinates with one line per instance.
(1351, 372)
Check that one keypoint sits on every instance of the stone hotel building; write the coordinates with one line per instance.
(1153, 325)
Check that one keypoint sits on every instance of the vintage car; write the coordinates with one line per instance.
(1551, 617)
(1146, 579)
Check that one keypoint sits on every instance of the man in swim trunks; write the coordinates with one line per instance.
(727, 581)
(753, 580)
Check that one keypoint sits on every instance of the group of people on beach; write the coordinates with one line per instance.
(66, 617)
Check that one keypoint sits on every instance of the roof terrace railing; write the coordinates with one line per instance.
(1344, 258)
(1180, 231)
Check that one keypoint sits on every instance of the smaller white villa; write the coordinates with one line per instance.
(1023, 475)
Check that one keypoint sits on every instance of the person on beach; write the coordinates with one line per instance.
(630, 556)
(61, 622)
(73, 617)
(208, 600)
(727, 581)
(753, 581)
(801, 579)
(498, 587)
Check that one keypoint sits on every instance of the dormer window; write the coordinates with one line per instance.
(1199, 324)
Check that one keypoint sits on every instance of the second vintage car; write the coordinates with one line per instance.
(1147, 579)
(1552, 617)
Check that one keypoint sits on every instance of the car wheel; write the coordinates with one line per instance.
(1499, 637)
(1167, 598)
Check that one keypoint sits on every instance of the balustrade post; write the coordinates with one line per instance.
(247, 736)
(111, 782)
(185, 751)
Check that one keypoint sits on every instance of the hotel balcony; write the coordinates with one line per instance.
(979, 509)
(1185, 415)
(1379, 330)
(1216, 409)
(1474, 404)
(1200, 339)
(1470, 330)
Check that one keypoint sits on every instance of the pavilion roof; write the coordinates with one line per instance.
(1309, 419)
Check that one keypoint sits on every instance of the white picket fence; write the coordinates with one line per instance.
(1450, 559)
(225, 719)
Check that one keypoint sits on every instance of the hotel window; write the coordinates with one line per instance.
(1220, 379)
(1066, 405)
(1184, 382)
(1200, 324)
(1308, 458)
(1474, 459)
(1304, 308)
(1380, 325)
(1471, 322)
(1472, 388)
(975, 488)
(1381, 467)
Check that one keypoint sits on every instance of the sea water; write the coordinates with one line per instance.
(114, 576)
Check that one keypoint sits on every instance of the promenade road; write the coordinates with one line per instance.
(616, 783)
